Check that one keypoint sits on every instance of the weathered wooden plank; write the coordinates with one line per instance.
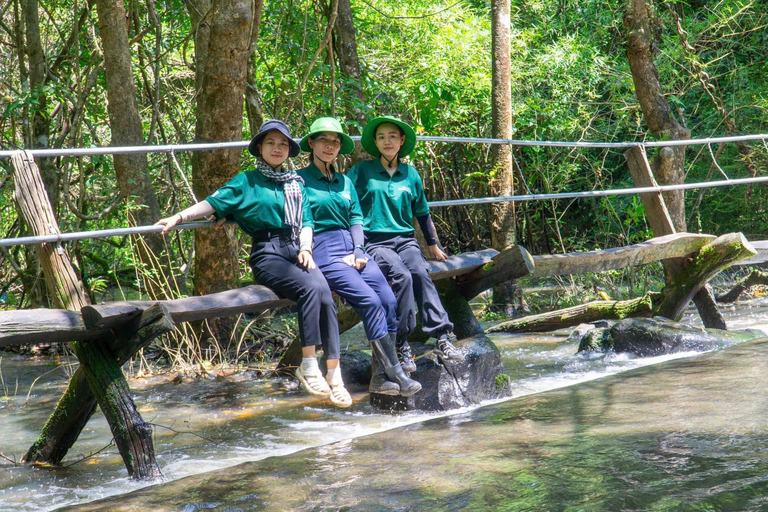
(655, 249)
(25, 327)
(512, 263)
(460, 264)
(247, 299)
(655, 207)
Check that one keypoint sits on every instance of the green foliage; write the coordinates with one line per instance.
(428, 61)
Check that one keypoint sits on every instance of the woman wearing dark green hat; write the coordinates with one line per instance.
(339, 254)
(391, 194)
(270, 204)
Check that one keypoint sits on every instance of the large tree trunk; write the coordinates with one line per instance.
(668, 165)
(220, 118)
(125, 123)
(507, 297)
(349, 62)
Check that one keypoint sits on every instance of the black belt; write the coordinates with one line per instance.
(268, 234)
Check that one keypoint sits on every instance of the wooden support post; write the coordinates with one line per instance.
(661, 224)
(710, 261)
(78, 402)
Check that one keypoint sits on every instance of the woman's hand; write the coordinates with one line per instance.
(349, 259)
(169, 222)
(306, 260)
(437, 253)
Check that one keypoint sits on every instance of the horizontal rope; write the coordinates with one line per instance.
(168, 148)
(82, 235)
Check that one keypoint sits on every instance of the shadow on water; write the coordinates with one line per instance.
(682, 434)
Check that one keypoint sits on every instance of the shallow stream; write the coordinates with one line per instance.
(663, 434)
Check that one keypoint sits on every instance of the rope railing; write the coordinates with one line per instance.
(169, 148)
(173, 148)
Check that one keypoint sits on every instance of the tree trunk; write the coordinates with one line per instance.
(253, 107)
(349, 62)
(505, 297)
(132, 172)
(219, 118)
(668, 165)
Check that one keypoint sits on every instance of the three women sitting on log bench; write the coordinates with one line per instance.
(281, 210)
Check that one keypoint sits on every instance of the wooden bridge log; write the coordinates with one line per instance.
(510, 264)
(78, 403)
(656, 249)
(583, 313)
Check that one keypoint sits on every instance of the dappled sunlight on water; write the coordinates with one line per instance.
(454, 460)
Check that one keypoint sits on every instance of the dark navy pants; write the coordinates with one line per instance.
(274, 261)
(365, 290)
(400, 258)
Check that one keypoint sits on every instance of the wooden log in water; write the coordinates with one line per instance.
(756, 277)
(583, 313)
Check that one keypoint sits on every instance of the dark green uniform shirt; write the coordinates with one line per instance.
(389, 203)
(334, 203)
(256, 203)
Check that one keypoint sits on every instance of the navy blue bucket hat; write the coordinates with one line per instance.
(268, 126)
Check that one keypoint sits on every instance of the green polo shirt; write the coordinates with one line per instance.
(334, 203)
(389, 203)
(256, 203)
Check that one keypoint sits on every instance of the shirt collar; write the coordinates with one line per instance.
(318, 174)
(380, 168)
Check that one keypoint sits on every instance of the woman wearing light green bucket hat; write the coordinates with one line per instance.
(339, 254)
(391, 194)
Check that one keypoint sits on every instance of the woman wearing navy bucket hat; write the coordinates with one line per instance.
(270, 204)
(338, 252)
(391, 194)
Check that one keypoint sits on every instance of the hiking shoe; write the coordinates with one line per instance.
(444, 347)
(313, 382)
(405, 356)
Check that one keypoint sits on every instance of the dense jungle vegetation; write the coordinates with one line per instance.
(427, 61)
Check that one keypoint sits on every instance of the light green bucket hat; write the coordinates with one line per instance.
(368, 140)
(328, 124)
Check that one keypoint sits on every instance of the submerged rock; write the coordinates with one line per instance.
(658, 336)
(449, 385)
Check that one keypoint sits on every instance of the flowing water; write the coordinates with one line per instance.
(580, 433)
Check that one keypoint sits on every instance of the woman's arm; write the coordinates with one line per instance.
(305, 248)
(428, 228)
(201, 209)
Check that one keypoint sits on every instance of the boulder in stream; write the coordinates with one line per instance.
(659, 336)
(450, 385)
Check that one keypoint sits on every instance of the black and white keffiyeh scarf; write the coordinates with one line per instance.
(292, 191)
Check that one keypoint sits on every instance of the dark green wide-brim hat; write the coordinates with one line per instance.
(328, 124)
(368, 139)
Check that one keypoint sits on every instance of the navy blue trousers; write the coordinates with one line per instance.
(274, 262)
(365, 290)
(400, 258)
